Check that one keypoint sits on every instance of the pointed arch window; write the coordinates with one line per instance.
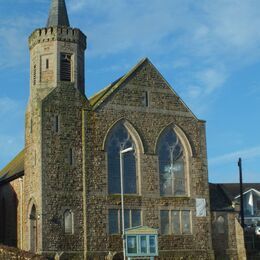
(118, 139)
(68, 222)
(171, 165)
(33, 228)
(220, 225)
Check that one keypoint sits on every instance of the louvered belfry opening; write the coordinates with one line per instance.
(65, 67)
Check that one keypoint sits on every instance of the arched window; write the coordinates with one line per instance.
(171, 165)
(120, 139)
(33, 229)
(220, 225)
(68, 222)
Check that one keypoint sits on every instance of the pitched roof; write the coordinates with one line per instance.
(58, 15)
(13, 170)
(232, 190)
(219, 201)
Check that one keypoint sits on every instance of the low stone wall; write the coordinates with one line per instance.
(9, 253)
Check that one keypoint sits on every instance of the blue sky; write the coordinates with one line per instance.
(209, 51)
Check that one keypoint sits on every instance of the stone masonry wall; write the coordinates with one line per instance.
(165, 108)
(227, 244)
(62, 180)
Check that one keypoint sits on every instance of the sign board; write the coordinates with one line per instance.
(201, 207)
(141, 242)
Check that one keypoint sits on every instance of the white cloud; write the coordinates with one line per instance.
(208, 39)
(249, 153)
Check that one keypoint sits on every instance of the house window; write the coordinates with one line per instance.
(68, 222)
(132, 219)
(118, 139)
(47, 64)
(65, 67)
(175, 222)
(171, 165)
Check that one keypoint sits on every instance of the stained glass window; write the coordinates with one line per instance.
(171, 165)
(121, 139)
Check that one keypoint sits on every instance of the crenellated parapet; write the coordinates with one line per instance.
(65, 34)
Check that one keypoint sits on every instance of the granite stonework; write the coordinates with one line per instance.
(65, 159)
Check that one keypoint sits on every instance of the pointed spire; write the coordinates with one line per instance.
(58, 15)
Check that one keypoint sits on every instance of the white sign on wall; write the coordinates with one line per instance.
(201, 207)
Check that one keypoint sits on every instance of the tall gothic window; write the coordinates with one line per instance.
(171, 165)
(118, 139)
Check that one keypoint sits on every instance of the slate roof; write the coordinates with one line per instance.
(219, 201)
(58, 15)
(13, 170)
(232, 190)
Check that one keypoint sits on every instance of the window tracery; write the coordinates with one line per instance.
(120, 139)
(171, 165)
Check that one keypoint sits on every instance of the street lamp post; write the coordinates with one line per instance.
(122, 152)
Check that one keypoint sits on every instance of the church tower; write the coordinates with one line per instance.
(52, 211)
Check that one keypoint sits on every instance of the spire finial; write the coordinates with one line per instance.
(58, 15)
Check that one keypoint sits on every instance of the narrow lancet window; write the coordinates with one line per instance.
(71, 156)
(68, 222)
(31, 125)
(146, 98)
(57, 123)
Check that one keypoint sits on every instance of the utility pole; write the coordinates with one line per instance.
(241, 193)
(122, 152)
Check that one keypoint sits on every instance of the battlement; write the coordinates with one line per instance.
(66, 34)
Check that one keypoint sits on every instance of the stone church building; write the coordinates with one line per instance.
(61, 194)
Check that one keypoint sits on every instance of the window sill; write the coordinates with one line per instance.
(175, 197)
(125, 195)
(179, 235)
